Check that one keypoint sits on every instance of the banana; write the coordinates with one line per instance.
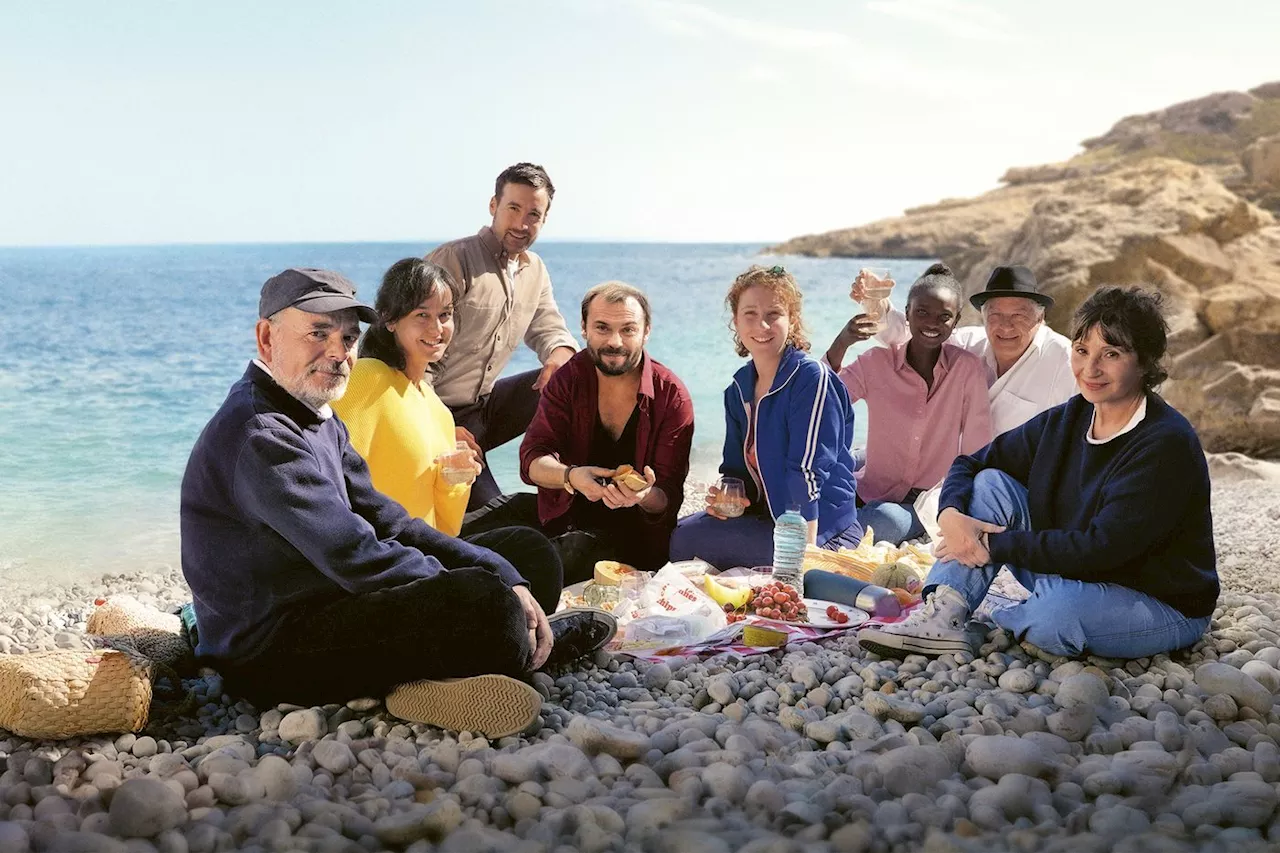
(723, 595)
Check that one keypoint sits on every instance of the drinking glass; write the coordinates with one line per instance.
(878, 285)
(457, 466)
(732, 499)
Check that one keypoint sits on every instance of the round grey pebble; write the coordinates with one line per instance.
(657, 676)
(145, 747)
(304, 725)
(1018, 681)
(144, 807)
(333, 756)
(1084, 688)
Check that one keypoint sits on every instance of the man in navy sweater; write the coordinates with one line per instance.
(311, 587)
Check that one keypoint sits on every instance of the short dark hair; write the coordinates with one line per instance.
(615, 291)
(1131, 318)
(937, 276)
(529, 174)
(406, 285)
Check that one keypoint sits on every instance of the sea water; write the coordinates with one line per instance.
(113, 358)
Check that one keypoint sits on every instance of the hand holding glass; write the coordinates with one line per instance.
(730, 497)
(871, 288)
(459, 466)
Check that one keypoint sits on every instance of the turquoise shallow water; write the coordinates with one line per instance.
(114, 358)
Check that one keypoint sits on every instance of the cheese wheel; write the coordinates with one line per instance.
(611, 572)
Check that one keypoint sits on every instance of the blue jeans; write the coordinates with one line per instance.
(892, 522)
(1063, 616)
(745, 541)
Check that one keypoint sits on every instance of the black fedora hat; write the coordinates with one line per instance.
(1011, 281)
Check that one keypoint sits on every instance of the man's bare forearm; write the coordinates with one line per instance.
(547, 472)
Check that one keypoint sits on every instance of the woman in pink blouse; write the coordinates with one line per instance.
(927, 402)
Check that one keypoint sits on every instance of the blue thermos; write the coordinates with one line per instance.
(842, 589)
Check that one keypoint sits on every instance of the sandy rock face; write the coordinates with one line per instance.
(952, 229)
(1165, 199)
(1262, 161)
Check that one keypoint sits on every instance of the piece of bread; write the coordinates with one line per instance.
(630, 477)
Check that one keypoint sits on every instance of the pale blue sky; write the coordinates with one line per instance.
(153, 122)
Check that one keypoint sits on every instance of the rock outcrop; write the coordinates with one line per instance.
(1177, 199)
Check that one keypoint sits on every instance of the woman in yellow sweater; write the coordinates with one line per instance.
(396, 421)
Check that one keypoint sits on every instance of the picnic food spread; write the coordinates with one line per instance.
(689, 603)
(774, 600)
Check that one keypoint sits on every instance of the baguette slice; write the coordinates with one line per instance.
(630, 477)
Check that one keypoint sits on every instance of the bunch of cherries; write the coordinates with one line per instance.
(772, 601)
(835, 614)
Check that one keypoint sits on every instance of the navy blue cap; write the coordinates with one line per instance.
(311, 290)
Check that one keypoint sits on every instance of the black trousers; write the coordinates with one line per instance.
(494, 420)
(518, 509)
(578, 555)
(458, 623)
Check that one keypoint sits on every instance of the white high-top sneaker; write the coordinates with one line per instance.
(937, 628)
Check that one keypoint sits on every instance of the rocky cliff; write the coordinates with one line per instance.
(1182, 199)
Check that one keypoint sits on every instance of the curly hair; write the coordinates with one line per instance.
(1131, 318)
(781, 284)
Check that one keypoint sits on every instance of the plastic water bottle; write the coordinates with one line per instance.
(790, 534)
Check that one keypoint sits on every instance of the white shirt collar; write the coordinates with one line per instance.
(1129, 427)
(323, 413)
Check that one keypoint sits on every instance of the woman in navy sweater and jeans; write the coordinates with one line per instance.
(1099, 506)
(789, 426)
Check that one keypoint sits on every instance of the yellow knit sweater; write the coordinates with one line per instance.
(400, 429)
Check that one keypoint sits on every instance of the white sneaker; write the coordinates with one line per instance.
(937, 628)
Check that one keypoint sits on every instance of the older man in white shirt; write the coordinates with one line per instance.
(1028, 364)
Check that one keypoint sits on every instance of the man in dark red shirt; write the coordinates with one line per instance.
(611, 405)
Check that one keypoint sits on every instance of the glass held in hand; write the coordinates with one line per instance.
(872, 289)
(731, 497)
(459, 467)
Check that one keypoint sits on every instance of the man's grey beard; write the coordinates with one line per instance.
(314, 398)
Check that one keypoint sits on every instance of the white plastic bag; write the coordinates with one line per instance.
(926, 507)
(672, 611)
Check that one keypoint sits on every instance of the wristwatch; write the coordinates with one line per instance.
(568, 487)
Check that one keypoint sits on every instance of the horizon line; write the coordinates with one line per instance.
(558, 240)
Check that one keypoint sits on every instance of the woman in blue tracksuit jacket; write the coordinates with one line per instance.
(788, 430)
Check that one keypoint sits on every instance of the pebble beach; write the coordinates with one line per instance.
(816, 747)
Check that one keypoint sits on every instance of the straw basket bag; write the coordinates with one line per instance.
(130, 625)
(123, 614)
(840, 563)
(64, 693)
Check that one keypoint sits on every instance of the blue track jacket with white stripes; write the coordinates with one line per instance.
(804, 429)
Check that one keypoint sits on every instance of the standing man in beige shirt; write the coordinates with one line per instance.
(505, 296)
